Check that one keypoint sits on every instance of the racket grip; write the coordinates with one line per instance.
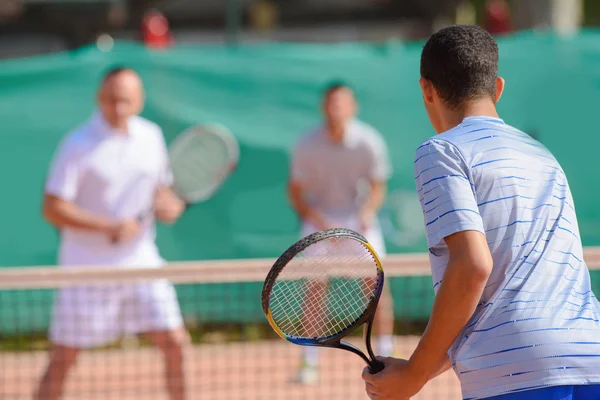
(376, 366)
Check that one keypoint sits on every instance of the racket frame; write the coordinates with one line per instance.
(366, 318)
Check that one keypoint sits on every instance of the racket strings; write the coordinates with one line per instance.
(200, 163)
(318, 316)
(202, 154)
(321, 319)
(324, 289)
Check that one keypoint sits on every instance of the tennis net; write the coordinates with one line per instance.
(233, 353)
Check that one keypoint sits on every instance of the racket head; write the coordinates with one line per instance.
(344, 262)
(201, 159)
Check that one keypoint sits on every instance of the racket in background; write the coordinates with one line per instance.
(201, 159)
(323, 288)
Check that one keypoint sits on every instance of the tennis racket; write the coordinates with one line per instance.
(323, 288)
(201, 159)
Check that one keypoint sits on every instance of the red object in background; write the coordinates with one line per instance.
(156, 32)
(497, 17)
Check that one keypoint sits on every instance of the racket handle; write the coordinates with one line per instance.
(376, 366)
(140, 219)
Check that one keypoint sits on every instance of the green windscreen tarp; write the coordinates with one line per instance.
(268, 95)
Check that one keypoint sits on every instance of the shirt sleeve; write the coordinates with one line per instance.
(381, 168)
(65, 171)
(445, 191)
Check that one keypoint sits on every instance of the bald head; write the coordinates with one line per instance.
(120, 96)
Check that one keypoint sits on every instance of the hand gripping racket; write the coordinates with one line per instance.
(324, 287)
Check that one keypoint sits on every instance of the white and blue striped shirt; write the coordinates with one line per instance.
(538, 322)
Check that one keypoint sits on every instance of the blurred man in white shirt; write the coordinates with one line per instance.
(104, 174)
(338, 179)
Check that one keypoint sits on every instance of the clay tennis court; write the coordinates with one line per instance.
(260, 369)
(257, 368)
(234, 371)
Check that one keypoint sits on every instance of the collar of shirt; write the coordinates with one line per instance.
(102, 126)
(482, 118)
(351, 134)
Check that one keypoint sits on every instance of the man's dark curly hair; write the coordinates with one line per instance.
(461, 62)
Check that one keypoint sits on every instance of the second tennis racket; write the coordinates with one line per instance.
(323, 288)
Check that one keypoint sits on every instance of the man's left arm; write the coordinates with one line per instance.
(373, 203)
(168, 207)
(379, 173)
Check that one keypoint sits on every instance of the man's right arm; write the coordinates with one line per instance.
(304, 211)
(62, 213)
(61, 187)
(297, 188)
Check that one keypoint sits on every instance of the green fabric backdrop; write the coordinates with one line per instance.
(268, 95)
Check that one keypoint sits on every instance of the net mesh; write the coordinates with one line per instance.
(324, 289)
(232, 353)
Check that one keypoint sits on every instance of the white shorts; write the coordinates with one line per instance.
(92, 316)
(373, 235)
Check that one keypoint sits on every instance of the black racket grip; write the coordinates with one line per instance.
(376, 366)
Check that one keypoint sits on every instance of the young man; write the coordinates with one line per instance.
(104, 175)
(330, 165)
(514, 313)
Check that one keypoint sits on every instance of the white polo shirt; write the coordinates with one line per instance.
(114, 175)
